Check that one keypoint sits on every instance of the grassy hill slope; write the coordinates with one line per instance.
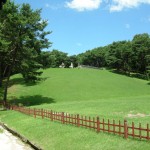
(84, 91)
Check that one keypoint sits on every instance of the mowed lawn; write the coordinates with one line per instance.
(80, 91)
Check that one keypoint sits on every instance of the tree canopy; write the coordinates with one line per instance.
(22, 37)
(124, 56)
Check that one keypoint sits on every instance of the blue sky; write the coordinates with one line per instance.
(80, 25)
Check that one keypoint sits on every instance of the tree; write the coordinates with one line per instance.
(114, 55)
(148, 66)
(140, 49)
(94, 57)
(57, 58)
(22, 38)
(3, 59)
(45, 59)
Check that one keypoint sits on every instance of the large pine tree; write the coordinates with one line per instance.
(22, 37)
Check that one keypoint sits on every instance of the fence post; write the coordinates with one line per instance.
(133, 129)
(11, 107)
(42, 113)
(125, 129)
(114, 129)
(98, 125)
(62, 117)
(147, 131)
(140, 132)
(51, 115)
(78, 120)
(34, 113)
(29, 111)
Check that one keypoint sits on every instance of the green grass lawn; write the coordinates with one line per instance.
(79, 91)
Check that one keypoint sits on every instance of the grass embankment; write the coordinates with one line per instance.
(83, 91)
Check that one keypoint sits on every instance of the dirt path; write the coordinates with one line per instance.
(10, 142)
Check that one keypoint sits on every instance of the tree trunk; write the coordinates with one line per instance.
(8, 76)
(6, 86)
(5, 71)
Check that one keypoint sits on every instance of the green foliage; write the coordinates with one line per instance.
(25, 38)
(148, 66)
(22, 37)
(119, 56)
(141, 48)
(94, 57)
(124, 56)
(54, 58)
(57, 58)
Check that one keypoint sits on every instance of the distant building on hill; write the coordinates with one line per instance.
(71, 66)
(62, 65)
(86, 66)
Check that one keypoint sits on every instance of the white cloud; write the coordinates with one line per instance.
(119, 5)
(114, 5)
(127, 26)
(82, 5)
(53, 7)
(47, 5)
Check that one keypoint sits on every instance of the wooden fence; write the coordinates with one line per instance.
(122, 129)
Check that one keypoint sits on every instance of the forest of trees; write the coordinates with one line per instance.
(123, 56)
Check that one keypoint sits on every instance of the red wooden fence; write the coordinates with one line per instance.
(97, 124)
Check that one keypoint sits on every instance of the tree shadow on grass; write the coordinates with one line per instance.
(21, 81)
(32, 100)
(121, 73)
(131, 75)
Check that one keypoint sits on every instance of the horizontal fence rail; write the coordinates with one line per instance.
(122, 129)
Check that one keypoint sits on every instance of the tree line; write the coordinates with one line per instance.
(124, 56)
(54, 58)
